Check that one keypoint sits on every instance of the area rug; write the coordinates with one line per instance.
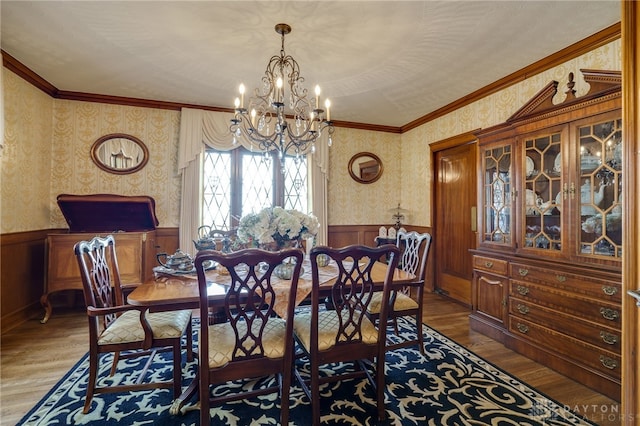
(450, 385)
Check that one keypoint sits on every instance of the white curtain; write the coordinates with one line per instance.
(199, 128)
(319, 172)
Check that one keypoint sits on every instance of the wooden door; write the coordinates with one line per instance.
(454, 209)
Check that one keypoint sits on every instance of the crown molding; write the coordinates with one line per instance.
(586, 45)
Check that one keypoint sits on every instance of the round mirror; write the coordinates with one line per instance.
(365, 167)
(119, 153)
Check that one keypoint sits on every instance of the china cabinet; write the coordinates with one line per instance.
(547, 270)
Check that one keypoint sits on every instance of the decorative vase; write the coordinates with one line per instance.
(284, 271)
(323, 260)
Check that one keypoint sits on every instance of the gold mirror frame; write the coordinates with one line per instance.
(119, 153)
(365, 167)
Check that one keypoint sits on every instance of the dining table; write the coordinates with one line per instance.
(173, 290)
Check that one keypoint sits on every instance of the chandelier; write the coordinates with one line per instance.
(281, 115)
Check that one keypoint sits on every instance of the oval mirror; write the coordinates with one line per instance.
(119, 153)
(365, 167)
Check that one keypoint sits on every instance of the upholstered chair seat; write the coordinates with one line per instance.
(222, 340)
(164, 325)
(402, 303)
(328, 330)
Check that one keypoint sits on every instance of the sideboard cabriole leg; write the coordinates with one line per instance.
(44, 301)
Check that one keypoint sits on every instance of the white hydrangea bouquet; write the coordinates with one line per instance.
(275, 226)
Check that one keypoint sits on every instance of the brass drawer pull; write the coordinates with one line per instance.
(523, 309)
(609, 338)
(488, 264)
(523, 272)
(561, 278)
(522, 328)
(608, 362)
(609, 290)
(610, 314)
(522, 290)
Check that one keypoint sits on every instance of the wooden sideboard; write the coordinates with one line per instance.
(567, 317)
(133, 221)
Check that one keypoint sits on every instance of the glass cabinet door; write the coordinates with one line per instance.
(600, 188)
(543, 195)
(497, 201)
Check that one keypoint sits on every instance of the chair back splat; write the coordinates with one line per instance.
(253, 342)
(342, 332)
(116, 327)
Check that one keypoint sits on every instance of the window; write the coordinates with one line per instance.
(239, 181)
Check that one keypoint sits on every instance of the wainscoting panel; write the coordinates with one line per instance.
(22, 272)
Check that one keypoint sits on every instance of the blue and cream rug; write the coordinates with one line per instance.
(449, 386)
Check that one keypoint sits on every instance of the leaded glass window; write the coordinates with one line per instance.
(240, 181)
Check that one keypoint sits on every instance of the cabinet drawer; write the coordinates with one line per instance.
(490, 264)
(595, 334)
(608, 314)
(601, 289)
(604, 361)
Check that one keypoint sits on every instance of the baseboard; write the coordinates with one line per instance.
(487, 328)
(26, 313)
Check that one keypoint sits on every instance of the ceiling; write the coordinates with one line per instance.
(385, 63)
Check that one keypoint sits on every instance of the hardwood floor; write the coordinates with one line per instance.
(35, 356)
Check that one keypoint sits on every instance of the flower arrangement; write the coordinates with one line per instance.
(276, 225)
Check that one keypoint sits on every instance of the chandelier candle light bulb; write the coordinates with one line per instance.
(280, 93)
(327, 105)
(241, 89)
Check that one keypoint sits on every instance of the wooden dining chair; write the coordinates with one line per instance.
(254, 342)
(343, 333)
(414, 249)
(116, 327)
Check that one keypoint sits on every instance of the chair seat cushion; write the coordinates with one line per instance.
(222, 340)
(328, 329)
(402, 303)
(127, 328)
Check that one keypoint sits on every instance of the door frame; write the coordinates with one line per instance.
(444, 144)
(631, 213)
